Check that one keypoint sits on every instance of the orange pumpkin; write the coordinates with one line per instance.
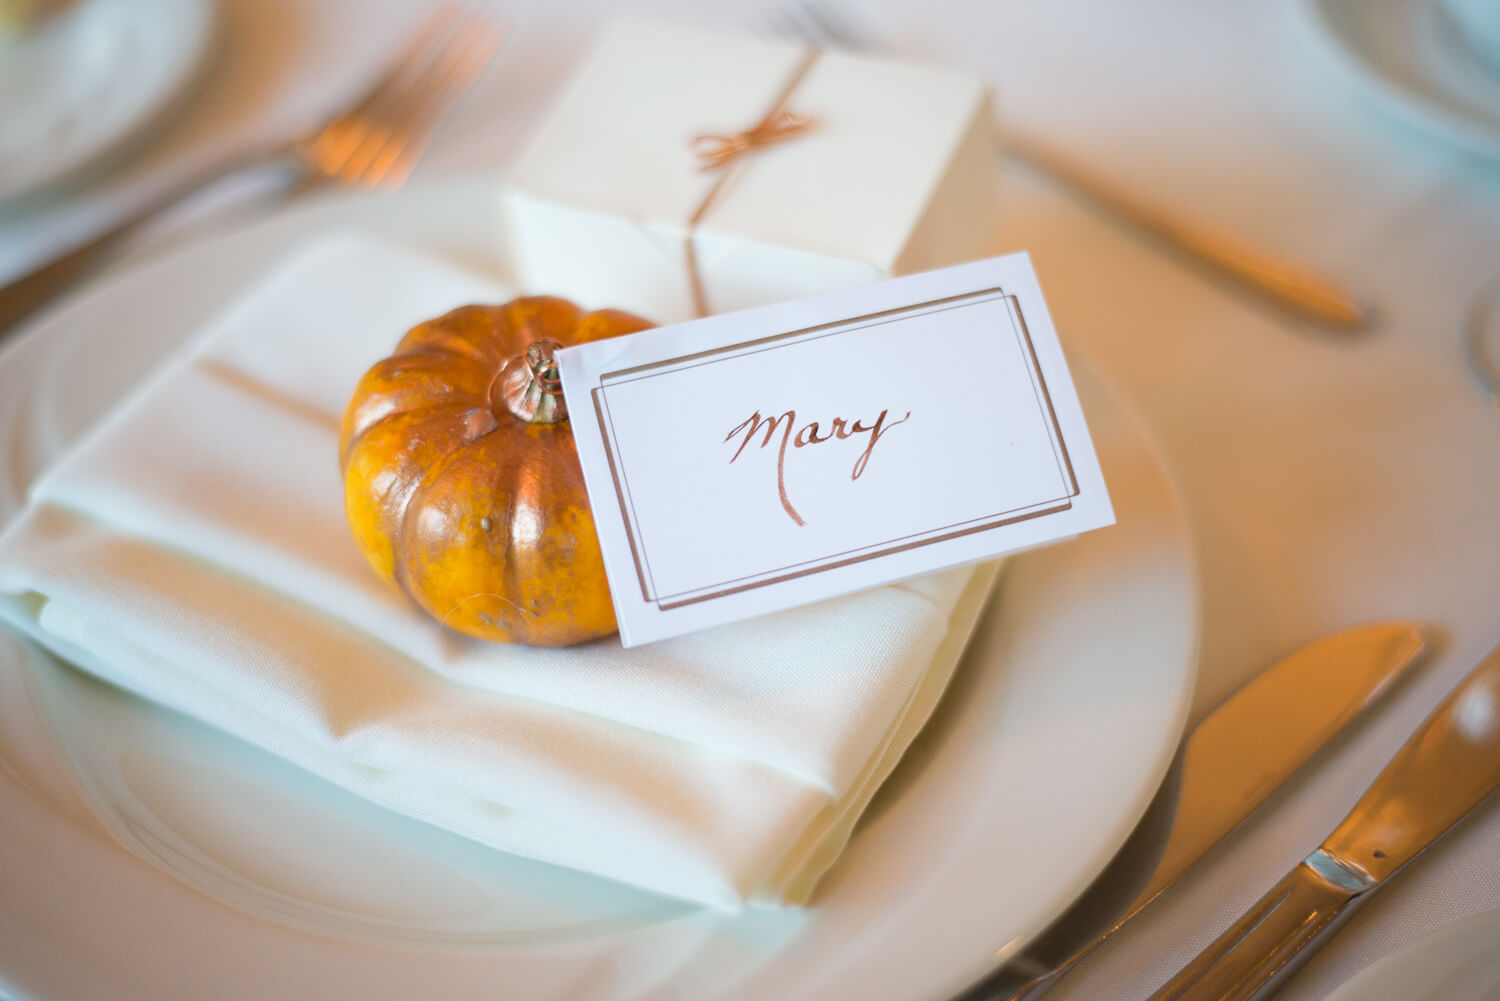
(461, 477)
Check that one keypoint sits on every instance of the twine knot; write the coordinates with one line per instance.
(717, 151)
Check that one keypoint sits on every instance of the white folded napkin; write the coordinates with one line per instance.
(193, 549)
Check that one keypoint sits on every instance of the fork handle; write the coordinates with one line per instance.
(33, 290)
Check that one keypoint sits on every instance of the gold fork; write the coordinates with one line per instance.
(374, 142)
(1287, 284)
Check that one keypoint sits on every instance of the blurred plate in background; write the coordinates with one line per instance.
(1410, 56)
(80, 84)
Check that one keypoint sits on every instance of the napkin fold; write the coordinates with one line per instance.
(193, 550)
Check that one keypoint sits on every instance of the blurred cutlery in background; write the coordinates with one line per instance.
(374, 142)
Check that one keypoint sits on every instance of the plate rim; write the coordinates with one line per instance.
(192, 60)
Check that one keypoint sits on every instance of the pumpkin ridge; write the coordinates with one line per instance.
(456, 407)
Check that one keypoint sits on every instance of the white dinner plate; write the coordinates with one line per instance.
(87, 80)
(148, 857)
(1460, 962)
(1411, 57)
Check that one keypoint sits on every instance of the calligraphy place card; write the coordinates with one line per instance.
(750, 462)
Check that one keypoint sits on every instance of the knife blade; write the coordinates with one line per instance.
(1446, 769)
(1238, 755)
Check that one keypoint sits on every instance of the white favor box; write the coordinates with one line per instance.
(895, 174)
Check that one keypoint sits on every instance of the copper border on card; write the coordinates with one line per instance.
(794, 333)
(666, 605)
(1049, 412)
(620, 494)
(781, 574)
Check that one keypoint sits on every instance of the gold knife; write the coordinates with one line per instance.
(1445, 770)
(1232, 761)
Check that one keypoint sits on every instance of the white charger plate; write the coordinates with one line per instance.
(183, 864)
(83, 83)
(1411, 58)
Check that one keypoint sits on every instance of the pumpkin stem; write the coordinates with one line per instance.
(529, 387)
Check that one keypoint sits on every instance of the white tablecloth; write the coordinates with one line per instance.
(1329, 479)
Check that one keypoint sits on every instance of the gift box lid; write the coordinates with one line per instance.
(855, 184)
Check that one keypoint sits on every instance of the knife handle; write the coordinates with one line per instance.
(1275, 936)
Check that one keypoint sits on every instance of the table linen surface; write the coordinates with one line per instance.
(1329, 478)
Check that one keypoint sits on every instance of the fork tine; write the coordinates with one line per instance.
(381, 118)
(331, 144)
(417, 52)
(389, 154)
(379, 138)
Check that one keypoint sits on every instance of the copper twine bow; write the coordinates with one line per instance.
(721, 152)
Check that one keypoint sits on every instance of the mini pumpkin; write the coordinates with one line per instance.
(461, 478)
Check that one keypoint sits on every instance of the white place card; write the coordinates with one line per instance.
(754, 461)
